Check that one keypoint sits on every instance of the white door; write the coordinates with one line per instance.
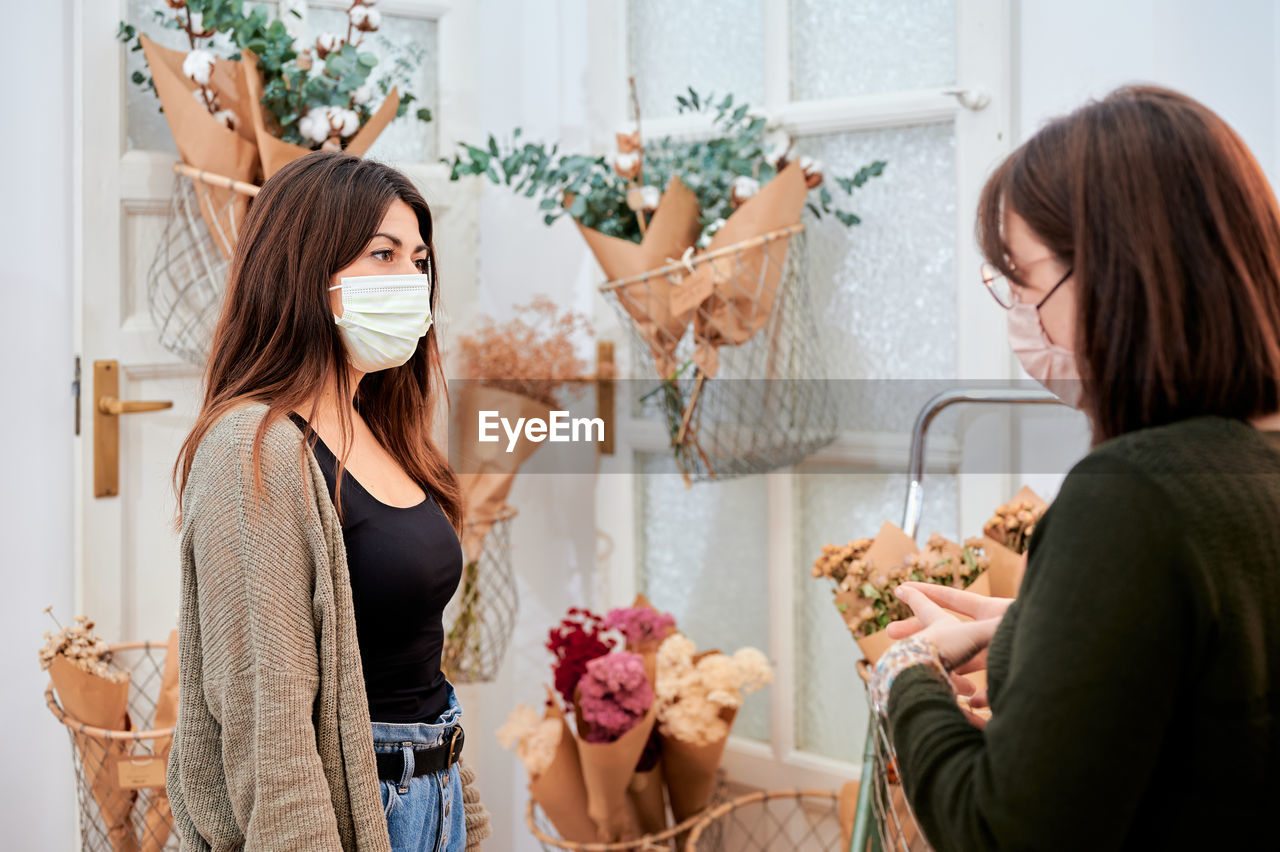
(926, 87)
(127, 570)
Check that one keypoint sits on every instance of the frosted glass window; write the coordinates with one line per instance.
(703, 557)
(831, 704)
(414, 39)
(853, 47)
(713, 47)
(883, 291)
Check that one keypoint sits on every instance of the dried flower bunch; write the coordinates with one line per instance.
(1013, 523)
(533, 355)
(616, 194)
(614, 694)
(534, 737)
(77, 643)
(319, 94)
(693, 695)
(640, 626)
(874, 606)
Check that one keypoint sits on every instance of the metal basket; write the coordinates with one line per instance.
(673, 839)
(481, 618)
(743, 382)
(148, 826)
(188, 275)
(771, 821)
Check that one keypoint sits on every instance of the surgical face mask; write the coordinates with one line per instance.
(1048, 363)
(383, 317)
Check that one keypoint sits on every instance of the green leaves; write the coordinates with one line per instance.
(707, 166)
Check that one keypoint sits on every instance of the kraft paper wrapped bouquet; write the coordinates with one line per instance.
(272, 97)
(864, 572)
(651, 209)
(698, 697)
(1006, 537)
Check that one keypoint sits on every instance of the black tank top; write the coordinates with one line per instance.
(405, 564)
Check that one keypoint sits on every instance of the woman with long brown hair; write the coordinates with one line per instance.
(1134, 684)
(319, 535)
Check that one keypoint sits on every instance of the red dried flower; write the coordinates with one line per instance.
(575, 641)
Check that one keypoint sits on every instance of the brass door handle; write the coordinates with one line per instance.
(108, 406)
(112, 405)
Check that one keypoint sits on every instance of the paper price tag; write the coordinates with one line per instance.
(136, 772)
(692, 292)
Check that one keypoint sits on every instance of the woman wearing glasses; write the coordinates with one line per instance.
(1134, 685)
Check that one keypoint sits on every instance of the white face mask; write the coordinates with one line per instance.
(1048, 363)
(383, 317)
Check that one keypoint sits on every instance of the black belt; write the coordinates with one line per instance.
(425, 760)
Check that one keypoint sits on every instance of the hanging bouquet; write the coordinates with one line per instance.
(864, 573)
(269, 99)
(1007, 535)
(723, 207)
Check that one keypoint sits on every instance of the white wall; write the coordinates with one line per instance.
(37, 799)
(1224, 54)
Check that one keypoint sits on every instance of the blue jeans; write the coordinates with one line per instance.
(424, 812)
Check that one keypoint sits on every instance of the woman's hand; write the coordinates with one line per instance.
(961, 644)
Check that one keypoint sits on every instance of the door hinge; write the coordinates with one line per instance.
(75, 392)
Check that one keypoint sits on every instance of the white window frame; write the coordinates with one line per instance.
(980, 106)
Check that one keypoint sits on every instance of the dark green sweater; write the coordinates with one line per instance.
(1135, 683)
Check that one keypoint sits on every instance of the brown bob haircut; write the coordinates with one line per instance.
(1173, 235)
(276, 342)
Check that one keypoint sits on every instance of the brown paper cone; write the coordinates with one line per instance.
(673, 229)
(875, 645)
(157, 818)
(745, 283)
(607, 769)
(560, 790)
(645, 793)
(1006, 568)
(100, 703)
(277, 153)
(489, 470)
(690, 770)
(205, 143)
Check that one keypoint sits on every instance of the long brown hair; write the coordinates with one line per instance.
(276, 342)
(1173, 235)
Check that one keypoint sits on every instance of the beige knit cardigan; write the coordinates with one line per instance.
(273, 747)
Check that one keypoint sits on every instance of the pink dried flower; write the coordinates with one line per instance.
(615, 695)
(640, 625)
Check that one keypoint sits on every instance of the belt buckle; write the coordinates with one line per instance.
(453, 741)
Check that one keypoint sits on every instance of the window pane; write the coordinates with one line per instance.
(831, 703)
(884, 291)
(713, 47)
(854, 47)
(702, 555)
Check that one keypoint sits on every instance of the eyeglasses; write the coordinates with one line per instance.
(1001, 289)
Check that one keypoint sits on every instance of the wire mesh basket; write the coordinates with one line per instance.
(675, 838)
(188, 274)
(896, 825)
(481, 618)
(122, 807)
(743, 384)
(771, 820)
